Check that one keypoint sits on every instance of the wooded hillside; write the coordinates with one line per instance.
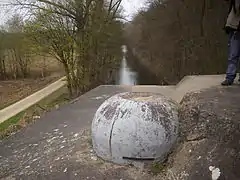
(176, 38)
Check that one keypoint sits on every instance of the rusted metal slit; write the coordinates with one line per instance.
(138, 159)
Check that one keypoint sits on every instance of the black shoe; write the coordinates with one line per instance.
(227, 83)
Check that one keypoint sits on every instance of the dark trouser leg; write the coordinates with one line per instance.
(233, 56)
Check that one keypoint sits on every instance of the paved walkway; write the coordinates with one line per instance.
(27, 102)
(55, 146)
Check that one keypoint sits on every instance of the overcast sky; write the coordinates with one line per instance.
(130, 8)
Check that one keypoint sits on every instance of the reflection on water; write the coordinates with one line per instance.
(126, 75)
(130, 74)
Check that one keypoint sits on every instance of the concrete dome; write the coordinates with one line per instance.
(135, 126)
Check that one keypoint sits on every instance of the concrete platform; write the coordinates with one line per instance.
(196, 83)
(45, 149)
(58, 145)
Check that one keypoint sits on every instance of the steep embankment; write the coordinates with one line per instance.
(178, 38)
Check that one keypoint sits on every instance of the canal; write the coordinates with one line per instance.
(131, 74)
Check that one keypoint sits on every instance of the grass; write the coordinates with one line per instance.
(13, 120)
(28, 116)
(157, 168)
(57, 98)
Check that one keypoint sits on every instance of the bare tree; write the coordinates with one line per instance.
(78, 33)
(18, 45)
(3, 72)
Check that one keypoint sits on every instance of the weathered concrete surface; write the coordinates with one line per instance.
(210, 130)
(196, 83)
(52, 147)
(135, 126)
(165, 90)
(58, 145)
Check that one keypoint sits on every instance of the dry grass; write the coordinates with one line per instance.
(51, 65)
(33, 113)
(12, 91)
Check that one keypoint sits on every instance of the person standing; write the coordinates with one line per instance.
(233, 30)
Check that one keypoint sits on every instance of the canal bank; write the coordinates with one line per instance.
(131, 72)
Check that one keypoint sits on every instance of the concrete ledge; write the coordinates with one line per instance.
(196, 83)
(186, 78)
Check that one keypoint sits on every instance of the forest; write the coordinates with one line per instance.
(176, 38)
